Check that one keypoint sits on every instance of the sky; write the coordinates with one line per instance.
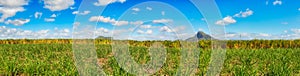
(147, 19)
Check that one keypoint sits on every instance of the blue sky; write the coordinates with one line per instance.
(147, 19)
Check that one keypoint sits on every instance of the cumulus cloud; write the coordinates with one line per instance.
(247, 13)
(162, 21)
(51, 19)
(120, 23)
(9, 12)
(38, 15)
(285, 31)
(113, 21)
(61, 33)
(13, 33)
(58, 5)
(106, 2)
(294, 34)
(149, 8)
(264, 35)
(81, 13)
(296, 31)
(226, 21)
(102, 19)
(177, 29)
(165, 29)
(104, 30)
(140, 31)
(9, 8)
(17, 22)
(149, 32)
(230, 20)
(13, 3)
(277, 2)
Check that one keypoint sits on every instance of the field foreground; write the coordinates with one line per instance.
(56, 59)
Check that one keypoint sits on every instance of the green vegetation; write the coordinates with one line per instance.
(56, 59)
(206, 44)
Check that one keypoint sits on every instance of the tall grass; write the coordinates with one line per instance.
(56, 59)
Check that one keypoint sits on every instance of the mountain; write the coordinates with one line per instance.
(200, 36)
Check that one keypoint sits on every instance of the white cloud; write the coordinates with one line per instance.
(163, 13)
(120, 23)
(104, 30)
(63, 33)
(226, 21)
(200, 29)
(9, 8)
(247, 13)
(113, 21)
(14, 33)
(149, 8)
(264, 34)
(81, 13)
(162, 21)
(38, 15)
(298, 9)
(9, 12)
(17, 22)
(66, 30)
(53, 16)
(165, 29)
(140, 31)
(135, 9)
(13, 3)
(49, 19)
(76, 24)
(106, 2)
(285, 31)
(149, 32)
(277, 2)
(296, 31)
(145, 26)
(137, 23)
(58, 5)
(43, 31)
(247, 36)
(102, 19)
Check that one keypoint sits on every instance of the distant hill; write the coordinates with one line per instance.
(200, 36)
(102, 37)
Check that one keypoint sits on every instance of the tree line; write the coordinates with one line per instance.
(205, 44)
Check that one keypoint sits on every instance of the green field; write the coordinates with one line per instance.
(57, 59)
